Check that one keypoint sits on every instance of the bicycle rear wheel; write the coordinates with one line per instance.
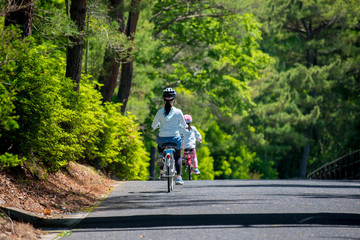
(170, 180)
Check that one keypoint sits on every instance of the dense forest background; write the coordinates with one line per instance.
(272, 85)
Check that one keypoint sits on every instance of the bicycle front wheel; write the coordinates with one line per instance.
(190, 172)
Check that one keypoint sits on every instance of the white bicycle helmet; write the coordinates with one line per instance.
(169, 94)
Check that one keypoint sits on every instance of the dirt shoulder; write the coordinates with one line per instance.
(58, 194)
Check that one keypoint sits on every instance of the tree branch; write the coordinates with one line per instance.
(325, 25)
(166, 9)
(188, 12)
(181, 18)
(307, 30)
(180, 49)
(302, 32)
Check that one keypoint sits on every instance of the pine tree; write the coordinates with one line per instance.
(310, 40)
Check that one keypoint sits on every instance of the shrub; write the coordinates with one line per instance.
(43, 105)
(7, 119)
(49, 123)
(9, 160)
(206, 163)
(8, 54)
(121, 149)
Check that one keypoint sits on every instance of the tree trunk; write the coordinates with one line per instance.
(125, 84)
(310, 60)
(67, 3)
(306, 149)
(111, 65)
(75, 51)
(109, 76)
(305, 154)
(20, 12)
(127, 68)
(87, 45)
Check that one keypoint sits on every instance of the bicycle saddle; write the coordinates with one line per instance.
(164, 145)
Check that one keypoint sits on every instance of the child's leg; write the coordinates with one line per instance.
(160, 149)
(159, 160)
(193, 154)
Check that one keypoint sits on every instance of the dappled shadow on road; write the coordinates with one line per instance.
(323, 196)
(272, 185)
(158, 199)
(245, 220)
(218, 201)
(149, 201)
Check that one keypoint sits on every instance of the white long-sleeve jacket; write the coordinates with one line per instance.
(190, 137)
(171, 124)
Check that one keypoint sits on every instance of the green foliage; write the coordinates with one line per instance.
(53, 26)
(205, 164)
(216, 54)
(311, 86)
(231, 161)
(43, 98)
(290, 102)
(8, 53)
(121, 149)
(210, 60)
(263, 169)
(240, 164)
(65, 233)
(231, 58)
(8, 160)
(57, 125)
(7, 119)
(145, 74)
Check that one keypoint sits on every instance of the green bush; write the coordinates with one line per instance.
(206, 164)
(8, 53)
(9, 160)
(121, 149)
(264, 169)
(44, 108)
(7, 119)
(46, 121)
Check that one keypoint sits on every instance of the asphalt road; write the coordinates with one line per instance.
(227, 209)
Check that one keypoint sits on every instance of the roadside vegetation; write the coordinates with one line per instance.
(273, 86)
(77, 189)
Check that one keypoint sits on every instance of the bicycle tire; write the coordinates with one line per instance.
(173, 172)
(190, 172)
(189, 166)
(170, 179)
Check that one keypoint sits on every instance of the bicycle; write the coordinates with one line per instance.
(169, 171)
(189, 162)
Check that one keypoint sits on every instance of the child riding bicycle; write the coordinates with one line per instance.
(190, 134)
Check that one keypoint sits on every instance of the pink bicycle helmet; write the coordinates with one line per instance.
(188, 118)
